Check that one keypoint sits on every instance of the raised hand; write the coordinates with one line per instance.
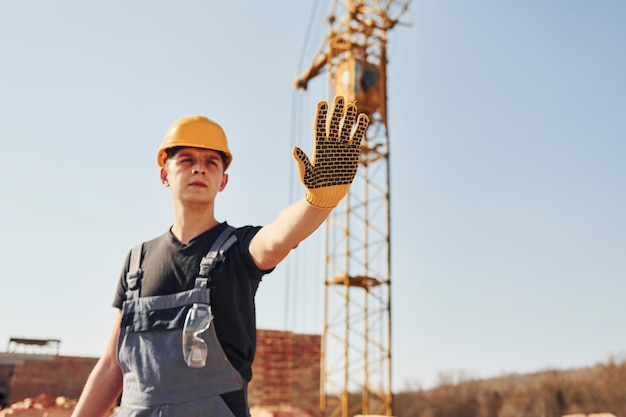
(330, 172)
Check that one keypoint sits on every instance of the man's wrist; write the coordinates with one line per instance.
(326, 197)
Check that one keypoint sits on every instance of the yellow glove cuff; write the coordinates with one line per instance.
(327, 197)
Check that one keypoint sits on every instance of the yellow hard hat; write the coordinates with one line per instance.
(196, 132)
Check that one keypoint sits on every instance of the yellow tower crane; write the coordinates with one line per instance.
(356, 342)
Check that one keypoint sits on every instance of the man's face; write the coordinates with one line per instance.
(195, 175)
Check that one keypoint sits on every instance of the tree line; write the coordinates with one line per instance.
(549, 393)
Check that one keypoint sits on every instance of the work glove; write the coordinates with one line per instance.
(328, 175)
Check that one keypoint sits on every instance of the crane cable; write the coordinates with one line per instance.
(296, 303)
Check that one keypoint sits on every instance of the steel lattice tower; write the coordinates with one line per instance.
(356, 342)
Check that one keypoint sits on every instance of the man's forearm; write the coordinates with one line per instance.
(293, 224)
(102, 389)
(298, 221)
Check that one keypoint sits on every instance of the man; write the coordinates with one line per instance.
(185, 336)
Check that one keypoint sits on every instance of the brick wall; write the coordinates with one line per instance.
(286, 371)
(53, 375)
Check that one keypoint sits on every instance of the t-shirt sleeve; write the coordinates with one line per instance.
(245, 235)
(120, 293)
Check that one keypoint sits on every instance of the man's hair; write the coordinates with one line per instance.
(173, 151)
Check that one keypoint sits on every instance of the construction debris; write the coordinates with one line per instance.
(43, 405)
(277, 411)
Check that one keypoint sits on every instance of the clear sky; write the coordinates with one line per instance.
(507, 126)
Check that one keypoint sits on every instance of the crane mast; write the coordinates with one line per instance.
(356, 371)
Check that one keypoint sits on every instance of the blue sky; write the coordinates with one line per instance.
(507, 135)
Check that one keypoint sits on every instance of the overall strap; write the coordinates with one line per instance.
(216, 254)
(134, 274)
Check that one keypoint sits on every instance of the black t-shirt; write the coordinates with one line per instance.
(169, 267)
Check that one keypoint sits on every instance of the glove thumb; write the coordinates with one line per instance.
(302, 161)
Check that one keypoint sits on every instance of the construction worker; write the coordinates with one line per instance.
(185, 336)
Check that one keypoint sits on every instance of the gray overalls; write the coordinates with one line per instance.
(157, 380)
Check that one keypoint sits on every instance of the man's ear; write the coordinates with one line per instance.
(163, 175)
(224, 182)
